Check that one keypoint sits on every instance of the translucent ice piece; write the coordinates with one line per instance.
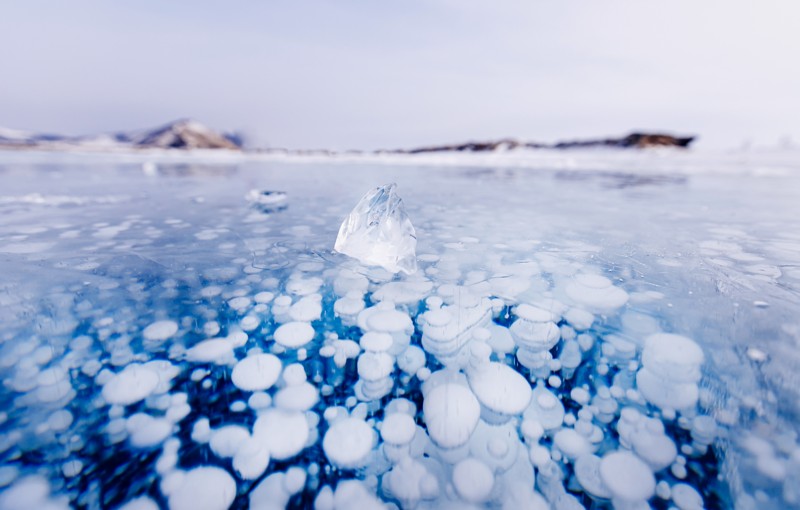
(378, 232)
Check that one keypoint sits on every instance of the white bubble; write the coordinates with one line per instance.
(160, 330)
(294, 335)
(473, 480)
(626, 477)
(133, 384)
(348, 442)
(283, 432)
(256, 372)
(213, 350)
(205, 487)
(451, 413)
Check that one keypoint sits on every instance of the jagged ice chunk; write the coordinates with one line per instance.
(378, 232)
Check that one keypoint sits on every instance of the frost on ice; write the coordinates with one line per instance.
(378, 232)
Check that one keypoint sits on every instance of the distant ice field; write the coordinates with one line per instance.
(589, 329)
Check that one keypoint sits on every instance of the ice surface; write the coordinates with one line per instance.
(629, 329)
(378, 232)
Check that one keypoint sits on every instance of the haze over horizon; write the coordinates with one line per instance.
(369, 75)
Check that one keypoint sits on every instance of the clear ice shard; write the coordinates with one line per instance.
(378, 232)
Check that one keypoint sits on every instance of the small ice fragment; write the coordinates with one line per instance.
(267, 201)
(756, 354)
(378, 232)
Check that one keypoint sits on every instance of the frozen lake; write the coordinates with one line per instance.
(584, 330)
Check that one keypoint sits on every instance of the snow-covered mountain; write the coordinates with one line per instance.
(181, 134)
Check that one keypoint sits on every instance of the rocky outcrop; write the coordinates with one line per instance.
(631, 141)
(493, 145)
(183, 134)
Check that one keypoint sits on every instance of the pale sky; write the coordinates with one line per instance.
(385, 74)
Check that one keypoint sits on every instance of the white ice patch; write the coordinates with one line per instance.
(378, 232)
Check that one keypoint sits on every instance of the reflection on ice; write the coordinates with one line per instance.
(579, 350)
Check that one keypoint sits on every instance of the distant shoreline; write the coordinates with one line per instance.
(188, 134)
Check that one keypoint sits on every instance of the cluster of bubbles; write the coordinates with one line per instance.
(348, 386)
